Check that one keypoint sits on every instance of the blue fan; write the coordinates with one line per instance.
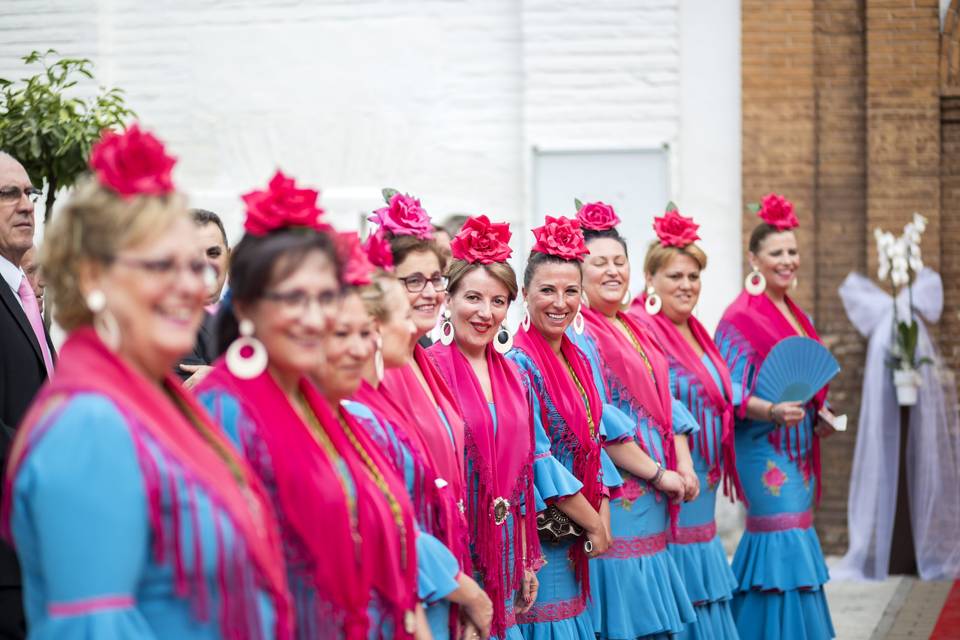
(795, 370)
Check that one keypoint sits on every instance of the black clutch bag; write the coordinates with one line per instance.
(555, 526)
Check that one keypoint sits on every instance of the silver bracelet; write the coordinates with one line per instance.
(656, 478)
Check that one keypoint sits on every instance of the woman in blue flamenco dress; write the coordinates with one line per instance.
(130, 513)
(637, 588)
(350, 538)
(779, 565)
(700, 380)
(567, 411)
(498, 427)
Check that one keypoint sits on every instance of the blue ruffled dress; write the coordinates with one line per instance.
(779, 564)
(435, 573)
(697, 550)
(81, 528)
(559, 612)
(637, 589)
(438, 568)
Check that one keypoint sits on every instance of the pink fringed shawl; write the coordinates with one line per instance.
(578, 437)
(501, 466)
(753, 325)
(685, 363)
(351, 537)
(158, 425)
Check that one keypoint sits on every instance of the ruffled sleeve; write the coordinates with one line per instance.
(437, 569)
(80, 526)
(683, 421)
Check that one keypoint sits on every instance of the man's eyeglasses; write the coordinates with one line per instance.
(415, 283)
(299, 300)
(9, 195)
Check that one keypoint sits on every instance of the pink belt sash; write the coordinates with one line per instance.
(623, 548)
(553, 611)
(693, 535)
(780, 522)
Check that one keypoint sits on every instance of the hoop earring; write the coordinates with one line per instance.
(579, 324)
(755, 284)
(104, 323)
(525, 323)
(446, 329)
(653, 303)
(378, 359)
(246, 367)
(503, 341)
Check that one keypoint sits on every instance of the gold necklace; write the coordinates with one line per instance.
(583, 395)
(636, 343)
(381, 483)
(326, 445)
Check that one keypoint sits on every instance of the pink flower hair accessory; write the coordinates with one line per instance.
(560, 237)
(132, 163)
(777, 211)
(403, 216)
(378, 250)
(675, 230)
(282, 205)
(480, 240)
(596, 216)
(357, 268)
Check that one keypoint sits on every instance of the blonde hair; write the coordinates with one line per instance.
(92, 228)
(659, 256)
(500, 271)
(374, 296)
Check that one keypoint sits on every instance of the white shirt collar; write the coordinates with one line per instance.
(12, 274)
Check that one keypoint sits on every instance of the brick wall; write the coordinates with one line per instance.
(950, 230)
(841, 113)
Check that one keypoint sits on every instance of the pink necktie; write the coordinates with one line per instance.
(32, 309)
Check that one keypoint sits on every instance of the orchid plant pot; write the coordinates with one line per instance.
(907, 382)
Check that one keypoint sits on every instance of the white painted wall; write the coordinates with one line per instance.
(442, 98)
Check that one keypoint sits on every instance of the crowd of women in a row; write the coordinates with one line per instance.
(332, 478)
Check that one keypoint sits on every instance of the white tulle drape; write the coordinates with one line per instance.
(933, 461)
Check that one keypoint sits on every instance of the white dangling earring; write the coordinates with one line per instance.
(104, 322)
(626, 299)
(446, 329)
(525, 323)
(653, 303)
(579, 323)
(503, 341)
(795, 283)
(755, 284)
(244, 366)
(378, 359)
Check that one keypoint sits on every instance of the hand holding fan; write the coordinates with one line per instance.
(795, 370)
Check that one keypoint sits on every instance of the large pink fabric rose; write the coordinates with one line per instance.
(357, 270)
(404, 216)
(378, 251)
(282, 205)
(560, 237)
(480, 240)
(132, 163)
(597, 216)
(675, 230)
(778, 212)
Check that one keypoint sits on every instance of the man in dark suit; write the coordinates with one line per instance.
(26, 353)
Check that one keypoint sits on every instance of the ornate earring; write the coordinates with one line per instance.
(378, 358)
(795, 283)
(525, 323)
(755, 284)
(653, 303)
(626, 299)
(104, 322)
(246, 356)
(579, 324)
(503, 341)
(446, 329)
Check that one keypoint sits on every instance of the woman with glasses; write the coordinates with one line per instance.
(131, 514)
(700, 380)
(778, 564)
(567, 412)
(498, 425)
(346, 519)
(638, 591)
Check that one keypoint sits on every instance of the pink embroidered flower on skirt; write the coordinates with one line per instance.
(773, 478)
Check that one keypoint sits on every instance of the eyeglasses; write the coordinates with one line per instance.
(9, 195)
(299, 300)
(166, 269)
(416, 282)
